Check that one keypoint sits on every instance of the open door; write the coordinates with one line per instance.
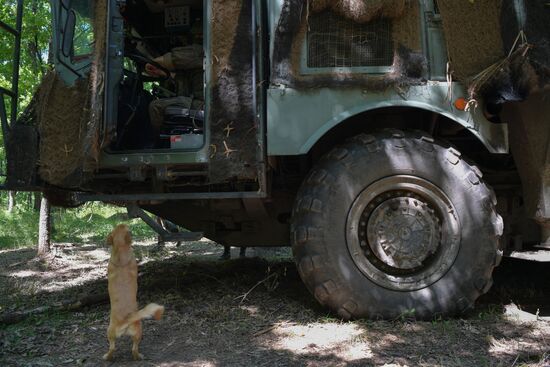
(70, 98)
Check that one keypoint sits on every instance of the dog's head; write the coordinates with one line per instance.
(120, 237)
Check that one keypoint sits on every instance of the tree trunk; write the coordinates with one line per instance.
(36, 205)
(11, 201)
(44, 227)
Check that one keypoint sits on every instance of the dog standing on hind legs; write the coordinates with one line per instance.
(122, 276)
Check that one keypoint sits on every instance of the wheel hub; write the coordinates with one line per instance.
(402, 233)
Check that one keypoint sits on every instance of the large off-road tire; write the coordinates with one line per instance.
(394, 224)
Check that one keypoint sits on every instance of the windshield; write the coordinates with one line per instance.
(75, 38)
(77, 31)
(83, 39)
(79, 25)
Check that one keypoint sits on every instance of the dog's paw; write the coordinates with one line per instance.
(158, 313)
(137, 356)
(108, 356)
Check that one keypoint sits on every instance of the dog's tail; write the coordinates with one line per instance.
(152, 310)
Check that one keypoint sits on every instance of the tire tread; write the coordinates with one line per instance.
(308, 220)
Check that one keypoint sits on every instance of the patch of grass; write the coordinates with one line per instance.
(90, 223)
(407, 315)
(490, 313)
(18, 229)
(329, 318)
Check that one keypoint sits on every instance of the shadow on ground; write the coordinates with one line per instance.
(257, 312)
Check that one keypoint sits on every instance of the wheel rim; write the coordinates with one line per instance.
(403, 233)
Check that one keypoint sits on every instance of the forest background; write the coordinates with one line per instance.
(19, 212)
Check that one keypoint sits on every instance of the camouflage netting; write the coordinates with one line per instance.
(61, 126)
(472, 32)
(234, 152)
(533, 19)
(92, 146)
(69, 118)
(361, 11)
(409, 64)
(499, 48)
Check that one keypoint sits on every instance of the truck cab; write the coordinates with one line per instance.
(350, 131)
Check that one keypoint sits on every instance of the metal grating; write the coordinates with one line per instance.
(336, 42)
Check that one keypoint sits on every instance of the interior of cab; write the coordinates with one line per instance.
(161, 96)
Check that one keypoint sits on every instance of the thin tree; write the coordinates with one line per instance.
(44, 227)
(11, 201)
(36, 201)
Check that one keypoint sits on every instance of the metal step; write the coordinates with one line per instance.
(543, 246)
(135, 211)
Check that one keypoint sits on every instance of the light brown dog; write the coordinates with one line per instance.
(122, 275)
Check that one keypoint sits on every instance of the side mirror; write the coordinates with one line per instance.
(68, 34)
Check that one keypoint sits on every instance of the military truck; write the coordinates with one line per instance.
(400, 146)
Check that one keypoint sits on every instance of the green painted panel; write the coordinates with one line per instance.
(297, 119)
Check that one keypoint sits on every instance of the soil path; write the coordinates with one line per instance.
(208, 322)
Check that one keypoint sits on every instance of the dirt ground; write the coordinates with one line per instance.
(255, 312)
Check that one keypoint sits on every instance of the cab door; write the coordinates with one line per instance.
(90, 41)
(79, 98)
(71, 95)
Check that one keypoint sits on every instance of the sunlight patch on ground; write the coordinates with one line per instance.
(520, 349)
(342, 340)
(21, 274)
(529, 347)
(189, 364)
(540, 256)
(76, 278)
(516, 315)
(68, 266)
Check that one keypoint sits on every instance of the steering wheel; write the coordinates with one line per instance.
(143, 60)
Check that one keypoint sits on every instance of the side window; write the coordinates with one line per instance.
(73, 37)
(78, 31)
(83, 39)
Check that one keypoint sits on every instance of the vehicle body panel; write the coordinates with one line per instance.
(297, 119)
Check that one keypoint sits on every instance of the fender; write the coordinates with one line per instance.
(297, 119)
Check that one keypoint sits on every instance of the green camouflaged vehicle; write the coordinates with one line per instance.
(374, 137)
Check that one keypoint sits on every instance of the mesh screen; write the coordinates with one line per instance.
(335, 41)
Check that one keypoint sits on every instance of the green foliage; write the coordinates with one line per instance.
(93, 222)
(35, 42)
(90, 223)
(18, 229)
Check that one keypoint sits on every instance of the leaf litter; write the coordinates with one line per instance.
(253, 312)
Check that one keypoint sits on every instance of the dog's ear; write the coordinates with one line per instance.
(110, 239)
(128, 238)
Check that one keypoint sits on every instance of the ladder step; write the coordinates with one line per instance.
(136, 212)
